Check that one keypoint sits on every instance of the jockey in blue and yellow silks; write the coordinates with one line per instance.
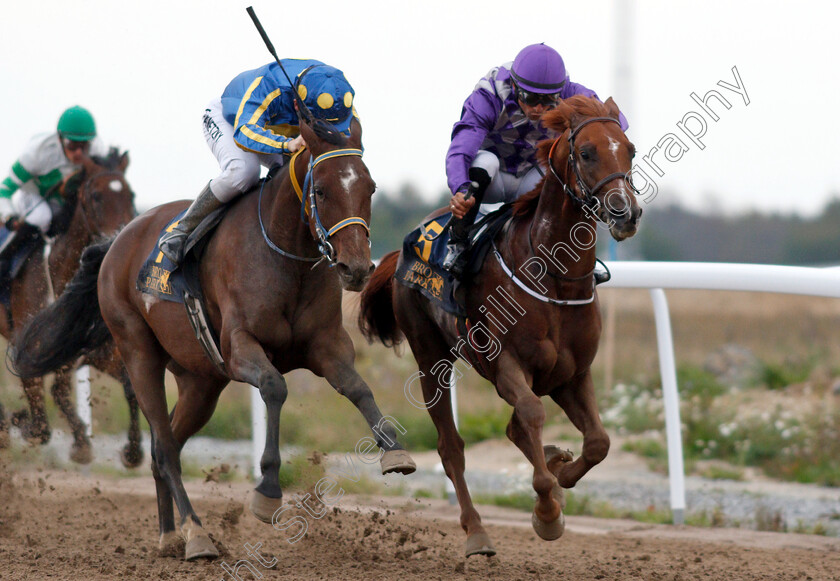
(253, 124)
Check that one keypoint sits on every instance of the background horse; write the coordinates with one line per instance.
(98, 201)
(270, 295)
(524, 337)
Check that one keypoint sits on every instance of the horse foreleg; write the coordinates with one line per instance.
(450, 445)
(132, 453)
(525, 430)
(248, 363)
(333, 360)
(81, 452)
(578, 401)
(36, 428)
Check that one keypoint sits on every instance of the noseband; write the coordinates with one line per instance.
(587, 194)
(323, 234)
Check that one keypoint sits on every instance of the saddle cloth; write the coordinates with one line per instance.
(425, 248)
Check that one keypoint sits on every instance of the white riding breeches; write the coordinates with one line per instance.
(240, 168)
(505, 187)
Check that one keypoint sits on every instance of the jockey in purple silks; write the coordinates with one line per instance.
(493, 150)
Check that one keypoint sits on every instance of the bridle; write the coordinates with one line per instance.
(586, 198)
(309, 210)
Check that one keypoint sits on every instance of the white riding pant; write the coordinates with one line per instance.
(33, 209)
(504, 187)
(240, 168)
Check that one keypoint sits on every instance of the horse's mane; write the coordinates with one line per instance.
(560, 119)
(110, 161)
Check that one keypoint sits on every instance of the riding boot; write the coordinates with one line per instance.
(172, 243)
(459, 229)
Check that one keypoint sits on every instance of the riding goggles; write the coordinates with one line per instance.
(533, 99)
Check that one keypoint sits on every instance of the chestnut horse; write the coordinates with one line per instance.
(100, 204)
(273, 299)
(532, 337)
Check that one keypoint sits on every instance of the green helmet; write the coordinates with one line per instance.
(76, 124)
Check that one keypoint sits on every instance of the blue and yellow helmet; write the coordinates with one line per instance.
(328, 95)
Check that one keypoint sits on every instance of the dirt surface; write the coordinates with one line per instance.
(60, 525)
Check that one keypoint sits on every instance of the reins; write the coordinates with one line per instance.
(586, 198)
(309, 209)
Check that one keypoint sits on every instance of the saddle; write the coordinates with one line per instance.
(425, 248)
(162, 278)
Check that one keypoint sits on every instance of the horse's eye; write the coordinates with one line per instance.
(584, 155)
(319, 192)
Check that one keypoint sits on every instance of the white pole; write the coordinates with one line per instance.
(668, 371)
(453, 397)
(83, 408)
(258, 430)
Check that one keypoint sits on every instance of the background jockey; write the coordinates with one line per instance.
(46, 161)
(494, 142)
(254, 123)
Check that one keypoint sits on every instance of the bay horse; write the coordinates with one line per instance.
(270, 294)
(98, 201)
(532, 337)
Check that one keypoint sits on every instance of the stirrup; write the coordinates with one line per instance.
(172, 245)
(456, 258)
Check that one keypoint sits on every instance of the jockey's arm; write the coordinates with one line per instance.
(17, 177)
(478, 117)
(250, 131)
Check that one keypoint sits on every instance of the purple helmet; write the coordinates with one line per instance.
(539, 69)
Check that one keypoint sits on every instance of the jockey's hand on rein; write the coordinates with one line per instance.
(460, 204)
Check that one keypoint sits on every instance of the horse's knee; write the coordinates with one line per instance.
(596, 449)
(273, 389)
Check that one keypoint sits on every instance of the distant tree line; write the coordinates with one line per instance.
(668, 232)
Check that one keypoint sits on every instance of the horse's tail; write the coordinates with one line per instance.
(70, 327)
(376, 313)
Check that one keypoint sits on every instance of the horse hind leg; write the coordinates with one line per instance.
(33, 424)
(4, 429)
(131, 455)
(578, 401)
(197, 399)
(81, 451)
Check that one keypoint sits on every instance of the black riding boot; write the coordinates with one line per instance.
(459, 229)
(172, 243)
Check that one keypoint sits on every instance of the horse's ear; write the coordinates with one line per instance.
(123, 162)
(356, 133)
(612, 108)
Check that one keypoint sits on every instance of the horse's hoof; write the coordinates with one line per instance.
(81, 454)
(479, 544)
(551, 452)
(200, 547)
(263, 507)
(170, 544)
(553, 530)
(397, 461)
(131, 456)
(198, 543)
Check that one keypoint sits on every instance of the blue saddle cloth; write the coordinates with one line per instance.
(425, 248)
(159, 276)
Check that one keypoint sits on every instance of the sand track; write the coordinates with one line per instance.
(60, 525)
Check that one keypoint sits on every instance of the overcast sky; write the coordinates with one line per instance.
(147, 69)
